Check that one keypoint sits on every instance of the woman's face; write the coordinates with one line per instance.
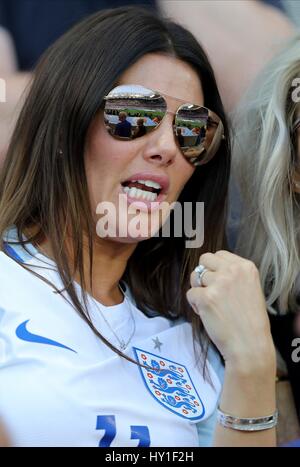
(111, 163)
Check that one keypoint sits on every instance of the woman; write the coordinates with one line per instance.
(95, 367)
(267, 158)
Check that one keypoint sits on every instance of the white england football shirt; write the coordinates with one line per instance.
(61, 386)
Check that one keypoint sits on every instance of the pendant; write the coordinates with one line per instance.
(122, 345)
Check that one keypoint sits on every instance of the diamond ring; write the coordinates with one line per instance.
(200, 270)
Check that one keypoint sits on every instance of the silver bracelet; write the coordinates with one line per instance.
(247, 424)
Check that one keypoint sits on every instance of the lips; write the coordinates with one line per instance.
(160, 183)
(146, 187)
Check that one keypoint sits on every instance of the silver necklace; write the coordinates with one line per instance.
(122, 343)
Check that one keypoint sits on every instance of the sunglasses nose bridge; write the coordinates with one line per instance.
(167, 126)
(163, 138)
(171, 113)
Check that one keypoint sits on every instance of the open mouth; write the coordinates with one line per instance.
(146, 190)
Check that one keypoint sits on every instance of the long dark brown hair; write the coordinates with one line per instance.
(38, 187)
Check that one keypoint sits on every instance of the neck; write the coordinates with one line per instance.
(109, 263)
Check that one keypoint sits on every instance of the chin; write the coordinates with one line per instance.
(131, 236)
(126, 240)
(136, 235)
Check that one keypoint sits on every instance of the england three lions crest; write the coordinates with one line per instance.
(171, 385)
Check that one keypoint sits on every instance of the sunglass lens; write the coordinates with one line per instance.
(198, 132)
(131, 111)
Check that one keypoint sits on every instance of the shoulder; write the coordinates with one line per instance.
(15, 250)
(8, 267)
(16, 282)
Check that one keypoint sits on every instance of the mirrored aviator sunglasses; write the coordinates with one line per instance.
(133, 111)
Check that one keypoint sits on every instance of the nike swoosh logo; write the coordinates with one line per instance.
(25, 335)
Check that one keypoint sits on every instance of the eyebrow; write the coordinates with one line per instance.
(136, 94)
(178, 99)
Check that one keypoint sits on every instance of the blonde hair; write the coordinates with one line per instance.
(263, 164)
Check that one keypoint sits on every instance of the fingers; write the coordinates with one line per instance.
(219, 260)
(195, 299)
(227, 255)
(206, 278)
(211, 261)
(216, 264)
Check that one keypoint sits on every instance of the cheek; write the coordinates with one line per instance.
(99, 163)
(105, 157)
(99, 149)
(183, 173)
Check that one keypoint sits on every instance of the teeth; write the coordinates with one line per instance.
(140, 194)
(151, 184)
(133, 192)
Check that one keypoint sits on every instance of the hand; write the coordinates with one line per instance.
(232, 308)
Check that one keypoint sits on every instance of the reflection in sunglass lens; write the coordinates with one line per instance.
(133, 111)
(199, 132)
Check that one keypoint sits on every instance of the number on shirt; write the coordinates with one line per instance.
(108, 424)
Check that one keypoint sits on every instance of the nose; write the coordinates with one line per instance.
(162, 149)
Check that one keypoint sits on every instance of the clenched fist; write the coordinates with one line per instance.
(231, 305)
